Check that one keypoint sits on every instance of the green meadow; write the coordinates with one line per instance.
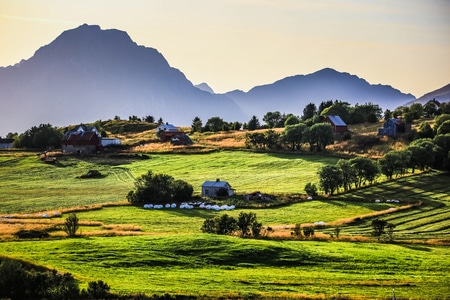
(137, 250)
(28, 185)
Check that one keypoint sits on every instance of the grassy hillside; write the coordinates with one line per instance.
(220, 266)
(29, 185)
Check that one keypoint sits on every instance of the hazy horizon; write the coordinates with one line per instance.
(234, 44)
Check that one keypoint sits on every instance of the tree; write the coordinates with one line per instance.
(98, 290)
(439, 120)
(42, 136)
(272, 139)
(378, 228)
(367, 112)
(425, 131)
(159, 189)
(291, 120)
(339, 108)
(245, 222)
(273, 119)
(71, 225)
(319, 136)
(433, 151)
(149, 119)
(323, 105)
(309, 111)
(196, 125)
(293, 135)
(390, 163)
(390, 230)
(311, 189)
(253, 124)
(348, 173)
(431, 108)
(214, 124)
(387, 114)
(364, 169)
(416, 111)
(330, 179)
(224, 224)
(236, 125)
(256, 139)
(444, 128)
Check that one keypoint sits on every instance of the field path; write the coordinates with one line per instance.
(123, 174)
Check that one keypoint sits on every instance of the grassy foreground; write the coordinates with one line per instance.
(163, 251)
(217, 266)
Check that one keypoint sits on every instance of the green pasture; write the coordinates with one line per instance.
(431, 220)
(222, 266)
(173, 256)
(29, 185)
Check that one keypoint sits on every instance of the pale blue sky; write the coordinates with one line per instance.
(238, 44)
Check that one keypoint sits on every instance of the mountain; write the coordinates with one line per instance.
(88, 73)
(441, 95)
(292, 94)
(204, 87)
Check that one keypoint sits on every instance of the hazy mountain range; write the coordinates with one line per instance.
(88, 73)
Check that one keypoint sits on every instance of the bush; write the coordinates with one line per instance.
(246, 225)
(31, 234)
(71, 225)
(311, 189)
(159, 189)
(308, 231)
(18, 281)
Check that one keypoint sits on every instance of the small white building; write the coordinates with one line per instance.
(110, 141)
(210, 188)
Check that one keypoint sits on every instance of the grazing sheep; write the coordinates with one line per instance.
(377, 201)
(167, 205)
(173, 205)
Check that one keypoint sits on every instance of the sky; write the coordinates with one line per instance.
(239, 44)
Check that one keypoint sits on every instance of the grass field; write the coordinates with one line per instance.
(163, 251)
(29, 185)
(221, 266)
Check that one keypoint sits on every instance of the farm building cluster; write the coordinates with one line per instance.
(85, 139)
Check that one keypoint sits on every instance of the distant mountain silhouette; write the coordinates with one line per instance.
(292, 94)
(204, 87)
(88, 73)
(441, 95)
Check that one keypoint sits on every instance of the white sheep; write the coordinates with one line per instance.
(168, 205)
(173, 205)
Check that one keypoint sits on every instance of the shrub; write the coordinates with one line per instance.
(159, 188)
(31, 234)
(219, 225)
(311, 189)
(308, 231)
(71, 225)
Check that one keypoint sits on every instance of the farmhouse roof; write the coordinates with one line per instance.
(216, 184)
(167, 127)
(81, 135)
(337, 121)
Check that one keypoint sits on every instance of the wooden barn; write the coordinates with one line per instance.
(166, 131)
(83, 139)
(339, 126)
(210, 188)
(391, 127)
